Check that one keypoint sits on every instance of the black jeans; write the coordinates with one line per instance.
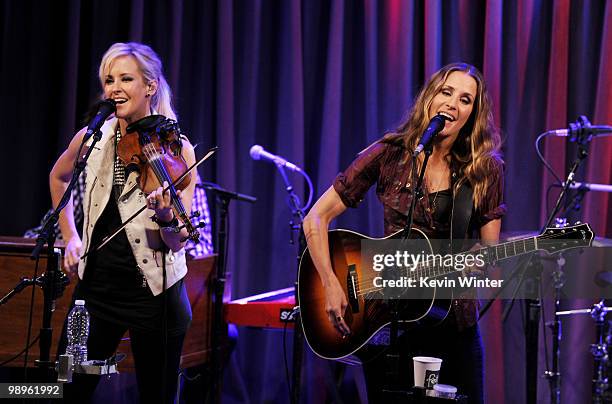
(148, 351)
(461, 353)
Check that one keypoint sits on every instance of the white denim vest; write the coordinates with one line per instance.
(142, 233)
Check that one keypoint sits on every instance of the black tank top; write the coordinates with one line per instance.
(112, 284)
(441, 203)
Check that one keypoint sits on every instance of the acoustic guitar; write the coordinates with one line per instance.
(368, 309)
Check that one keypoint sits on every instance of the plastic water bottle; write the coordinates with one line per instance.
(78, 332)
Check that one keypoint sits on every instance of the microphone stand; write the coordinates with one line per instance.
(53, 276)
(392, 356)
(554, 375)
(223, 198)
(418, 189)
(295, 224)
(599, 349)
(296, 227)
(530, 273)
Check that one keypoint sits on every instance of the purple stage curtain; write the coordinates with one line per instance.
(316, 81)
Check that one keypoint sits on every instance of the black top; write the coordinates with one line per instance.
(112, 284)
(113, 266)
(441, 204)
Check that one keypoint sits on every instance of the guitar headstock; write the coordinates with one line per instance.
(561, 238)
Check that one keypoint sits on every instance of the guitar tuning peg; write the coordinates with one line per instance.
(195, 214)
(201, 225)
(578, 222)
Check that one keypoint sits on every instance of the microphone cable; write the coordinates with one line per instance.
(541, 157)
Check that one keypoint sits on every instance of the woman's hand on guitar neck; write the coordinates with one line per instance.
(335, 305)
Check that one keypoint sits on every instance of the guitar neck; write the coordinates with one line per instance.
(438, 265)
(509, 249)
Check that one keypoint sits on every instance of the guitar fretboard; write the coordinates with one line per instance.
(438, 265)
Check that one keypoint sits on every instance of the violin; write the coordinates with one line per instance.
(152, 146)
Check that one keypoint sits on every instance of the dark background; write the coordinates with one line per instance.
(316, 82)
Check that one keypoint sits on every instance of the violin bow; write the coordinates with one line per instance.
(108, 238)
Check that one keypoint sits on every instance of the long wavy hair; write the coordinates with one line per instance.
(151, 67)
(476, 152)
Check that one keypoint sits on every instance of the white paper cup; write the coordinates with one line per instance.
(426, 371)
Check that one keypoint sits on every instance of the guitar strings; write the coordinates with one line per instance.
(364, 290)
(426, 265)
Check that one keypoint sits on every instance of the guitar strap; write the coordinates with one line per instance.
(463, 204)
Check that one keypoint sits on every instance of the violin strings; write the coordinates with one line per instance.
(160, 170)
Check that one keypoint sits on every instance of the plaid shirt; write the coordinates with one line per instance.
(385, 164)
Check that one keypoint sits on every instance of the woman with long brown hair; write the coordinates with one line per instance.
(465, 152)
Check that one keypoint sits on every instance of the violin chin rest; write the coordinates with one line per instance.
(146, 124)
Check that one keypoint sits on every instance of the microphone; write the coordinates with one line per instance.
(105, 109)
(579, 130)
(592, 129)
(257, 152)
(435, 126)
(589, 187)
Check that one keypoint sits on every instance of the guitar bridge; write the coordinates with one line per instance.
(352, 283)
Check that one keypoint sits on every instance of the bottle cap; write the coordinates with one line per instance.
(79, 302)
(445, 388)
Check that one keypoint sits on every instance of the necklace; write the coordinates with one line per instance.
(118, 168)
(432, 204)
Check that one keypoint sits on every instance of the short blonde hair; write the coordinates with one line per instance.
(151, 67)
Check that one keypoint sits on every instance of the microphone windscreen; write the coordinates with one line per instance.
(109, 105)
(440, 119)
(255, 152)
